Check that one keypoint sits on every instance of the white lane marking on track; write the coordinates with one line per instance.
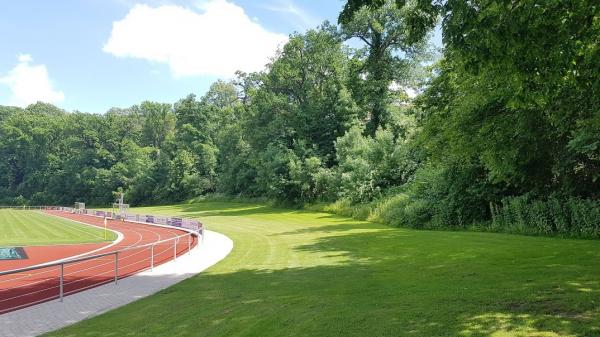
(110, 262)
(53, 297)
(75, 228)
(119, 239)
(80, 262)
(41, 265)
(157, 234)
(140, 238)
(135, 230)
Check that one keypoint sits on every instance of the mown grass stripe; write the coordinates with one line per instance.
(23, 228)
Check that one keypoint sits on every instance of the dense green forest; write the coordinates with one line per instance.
(503, 133)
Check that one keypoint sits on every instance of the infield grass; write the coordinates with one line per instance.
(298, 273)
(28, 228)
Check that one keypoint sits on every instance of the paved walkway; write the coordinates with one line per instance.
(49, 316)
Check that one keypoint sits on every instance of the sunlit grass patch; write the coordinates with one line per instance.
(305, 273)
(26, 228)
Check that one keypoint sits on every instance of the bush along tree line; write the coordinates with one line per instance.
(503, 133)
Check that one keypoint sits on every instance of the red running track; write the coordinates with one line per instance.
(28, 288)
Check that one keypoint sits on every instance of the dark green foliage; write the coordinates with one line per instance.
(368, 166)
(518, 90)
(567, 217)
(6, 111)
(452, 196)
(236, 175)
(292, 116)
(54, 157)
(421, 14)
(515, 97)
(303, 102)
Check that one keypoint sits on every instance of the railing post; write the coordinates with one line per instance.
(152, 257)
(116, 266)
(175, 249)
(62, 280)
(189, 243)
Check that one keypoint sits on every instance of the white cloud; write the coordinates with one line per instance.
(25, 58)
(216, 41)
(29, 83)
(302, 19)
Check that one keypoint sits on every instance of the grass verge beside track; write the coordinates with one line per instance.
(298, 273)
(28, 228)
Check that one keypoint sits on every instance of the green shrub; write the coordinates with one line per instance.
(416, 214)
(388, 210)
(345, 207)
(553, 216)
(20, 201)
(394, 210)
(369, 167)
(570, 217)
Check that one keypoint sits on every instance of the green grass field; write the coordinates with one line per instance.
(295, 273)
(27, 228)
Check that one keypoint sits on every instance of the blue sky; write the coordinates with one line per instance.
(90, 55)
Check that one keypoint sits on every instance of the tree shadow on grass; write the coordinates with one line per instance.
(548, 288)
(347, 226)
(393, 283)
(325, 301)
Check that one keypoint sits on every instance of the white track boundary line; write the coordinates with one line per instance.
(96, 266)
(120, 237)
(82, 262)
(85, 278)
(73, 227)
(110, 262)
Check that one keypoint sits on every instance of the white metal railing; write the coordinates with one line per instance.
(118, 255)
(30, 207)
(190, 234)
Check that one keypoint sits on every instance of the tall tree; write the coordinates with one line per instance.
(518, 90)
(303, 101)
(394, 47)
(159, 122)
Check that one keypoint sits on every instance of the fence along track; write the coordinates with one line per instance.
(158, 252)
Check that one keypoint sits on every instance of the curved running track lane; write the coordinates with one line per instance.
(40, 285)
